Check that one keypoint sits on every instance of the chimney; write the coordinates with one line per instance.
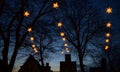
(67, 58)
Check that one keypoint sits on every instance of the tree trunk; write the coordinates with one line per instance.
(13, 58)
(5, 55)
(81, 63)
(42, 59)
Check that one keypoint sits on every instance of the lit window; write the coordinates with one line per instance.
(26, 13)
(55, 5)
(108, 10)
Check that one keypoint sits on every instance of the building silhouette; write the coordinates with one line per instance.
(1, 65)
(99, 69)
(32, 65)
(68, 65)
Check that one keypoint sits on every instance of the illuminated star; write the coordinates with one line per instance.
(65, 44)
(107, 40)
(33, 46)
(35, 50)
(62, 34)
(107, 34)
(26, 13)
(106, 47)
(59, 24)
(29, 29)
(108, 10)
(55, 5)
(67, 50)
(31, 38)
(63, 38)
(108, 25)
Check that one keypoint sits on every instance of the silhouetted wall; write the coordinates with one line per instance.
(32, 65)
(99, 69)
(68, 65)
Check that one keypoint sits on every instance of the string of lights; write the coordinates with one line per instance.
(59, 24)
(108, 28)
(62, 34)
(29, 29)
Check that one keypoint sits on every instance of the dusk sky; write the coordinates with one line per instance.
(114, 18)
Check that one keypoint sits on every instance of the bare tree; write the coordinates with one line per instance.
(15, 28)
(81, 23)
(43, 40)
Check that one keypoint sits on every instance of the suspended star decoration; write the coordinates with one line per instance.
(26, 13)
(55, 5)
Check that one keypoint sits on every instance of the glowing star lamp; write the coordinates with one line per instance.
(108, 25)
(107, 34)
(108, 10)
(35, 50)
(107, 40)
(59, 24)
(65, 44)
(55, 5)
(31, 38)
(26, 13)
(29, 29)
(63, 38)
(62, 34)
(106, 47)
(67, 50)
(33, 46)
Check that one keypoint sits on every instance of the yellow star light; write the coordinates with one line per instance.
(33, 46)
(29, 29)
(108, 25)
(107, 34)
(65, 44)
(35, 50)
(26, 13)
(67, 50)
(107, 40)
(62, 34)
(31, 38)
(55, 5)
(106, 47)
(108, 10)
(63, 38)
(59, 24)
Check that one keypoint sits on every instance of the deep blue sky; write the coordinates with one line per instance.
(114, 18)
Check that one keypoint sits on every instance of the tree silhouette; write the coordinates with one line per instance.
(14, 27)
(81, 23)
(43, 40)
